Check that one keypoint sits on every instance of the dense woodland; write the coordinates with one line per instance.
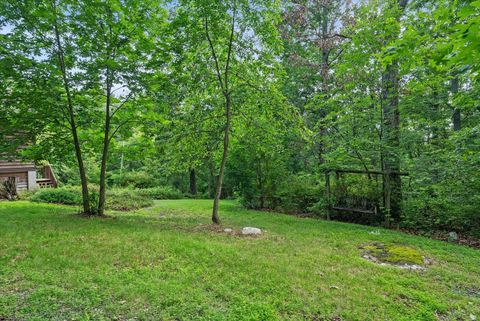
(257, 100)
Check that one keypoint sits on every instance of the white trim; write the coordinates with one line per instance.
(32, 180)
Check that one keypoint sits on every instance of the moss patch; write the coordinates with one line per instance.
(393, 254)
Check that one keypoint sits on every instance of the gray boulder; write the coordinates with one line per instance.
(251, 231)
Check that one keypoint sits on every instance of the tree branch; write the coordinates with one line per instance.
(230, 44)
(130, 94)
(118, 128)
(214, 54)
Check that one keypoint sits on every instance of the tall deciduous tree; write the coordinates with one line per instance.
(312, 31)
(116, 41)
(391, 117)
(44, 26)
(224, 84)
(236, 34)
(96, 50)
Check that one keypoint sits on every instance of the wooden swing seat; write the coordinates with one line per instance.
(352, 210)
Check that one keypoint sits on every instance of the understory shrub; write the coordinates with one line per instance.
(320, 208)
(117, 199)
(299, 193)
(138, 179)
(62, 195)
(126, 200)
(160, 193)
(442, 208)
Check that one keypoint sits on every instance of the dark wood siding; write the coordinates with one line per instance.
(15, 167)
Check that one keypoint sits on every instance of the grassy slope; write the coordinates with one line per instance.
(166, 263)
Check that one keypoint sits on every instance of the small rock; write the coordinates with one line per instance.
(228, 230)
(412, 267)
(452, 236)
(473, 317)
(251, 231)
(427, 261)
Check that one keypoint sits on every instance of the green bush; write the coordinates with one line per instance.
(299, 193)
(133, 179)
(126, 200)
(441, 207)
(25, 194)
(63, 195)
(320, 208)
(160, 193)
(117, 199)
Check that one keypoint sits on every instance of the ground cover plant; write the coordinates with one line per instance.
(167, 262)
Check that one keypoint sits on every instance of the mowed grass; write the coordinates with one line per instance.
(168, 263)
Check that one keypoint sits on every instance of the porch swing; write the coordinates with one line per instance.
(344, 198)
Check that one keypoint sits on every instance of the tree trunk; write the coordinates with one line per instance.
(391, 130)
(327, 194)
(325, 49)
(260, 182)
(106, 146)
(226, 133)
(211, 180)
(72, 122)
(224, 85)
(193, 182)
(391, 137)
(81, 169)
(324, 88)
(456, 117)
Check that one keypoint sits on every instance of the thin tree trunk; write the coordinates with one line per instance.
(193, 182)
(106, 135)
(81, 168)
(224, 86)
(324, 71)
(72, 121)
(261, 186)
(325, 67)
(391, 137)
(211, 180)
(226, 133)
(106, 143)
(456, 117)
(106, 146)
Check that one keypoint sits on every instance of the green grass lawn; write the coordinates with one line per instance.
(168, 263)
